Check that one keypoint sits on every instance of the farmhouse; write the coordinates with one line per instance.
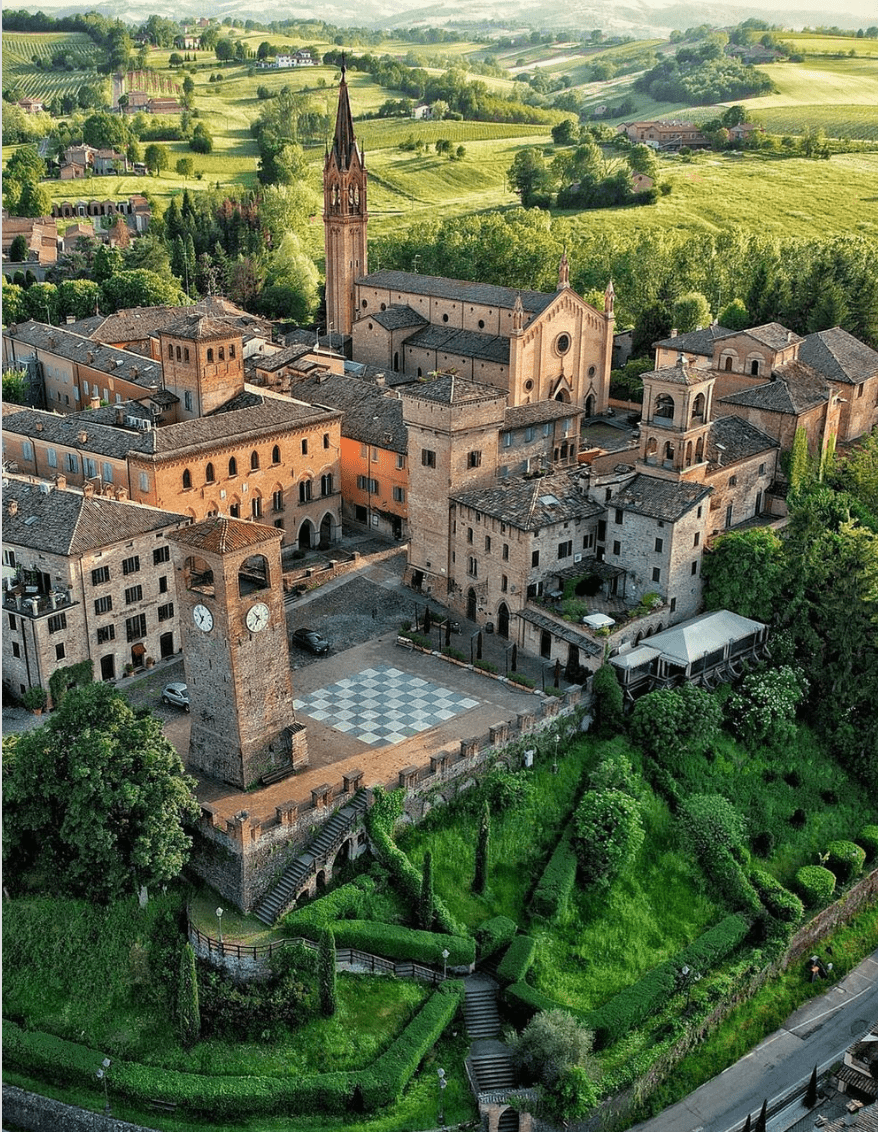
(670, 136)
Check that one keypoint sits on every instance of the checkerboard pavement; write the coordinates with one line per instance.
(383, 705)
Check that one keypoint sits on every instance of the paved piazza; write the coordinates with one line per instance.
(382, 705)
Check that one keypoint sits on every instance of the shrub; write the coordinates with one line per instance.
(816, 884)
(394, 942)
(846, 859)
(485, 666)
(524, 681)
(608, 711)
(674, 723)
(554, 887)
(35, 698)
(188, 1013)
(523, 1001)
(607, 834)
(868, 838)
(493, 934)
(346, 902)
(763, 843)
(798, 818)
(455, 654)
(551, 1043)
(518, 959)
(779, 901)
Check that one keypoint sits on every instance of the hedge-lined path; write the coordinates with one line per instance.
(817, 1033)
(480, 1007)
(490, 1064)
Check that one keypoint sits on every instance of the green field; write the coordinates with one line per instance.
(809, 44)
(20, 48)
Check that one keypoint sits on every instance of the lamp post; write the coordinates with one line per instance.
(445, 954)
(555, 763)
(688, 976)
(219, 924)
(443, 1083)
(101, 1075)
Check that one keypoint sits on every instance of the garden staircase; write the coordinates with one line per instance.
(480, 1007)
(328, 838)
(490, 1065)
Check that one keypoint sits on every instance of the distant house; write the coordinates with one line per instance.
(32, 105)
(108, 161)
(41, 234)
(745, 130)
(137, 100)
(641, 182)
(422, 112)
(668, 136)
(187, 42)
(75, 233)
(164, 106)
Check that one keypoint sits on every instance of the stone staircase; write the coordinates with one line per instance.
(480, 1007)
(490, 1065)
(327, 839)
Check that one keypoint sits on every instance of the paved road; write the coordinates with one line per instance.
(816, 1034)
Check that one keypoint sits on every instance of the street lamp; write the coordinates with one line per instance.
(445, 954)
(555, 763)
(443, 1083)
(101, 1075)
(219, 923)
(688, 976)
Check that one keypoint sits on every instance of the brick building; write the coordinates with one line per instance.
(86, 577)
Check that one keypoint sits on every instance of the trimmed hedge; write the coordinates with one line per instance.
(628, 1008)
(554, 887)
(347, 901)
(380, 820)
(868, 838)
(778, 901)
(815, 883)
(493, 934)
(66, 1063)
(524, 1001)
(394, 942)
(518, 959)
(846, 859)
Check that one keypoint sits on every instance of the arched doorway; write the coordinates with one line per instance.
(503, 619)
(326, 531)
(589, 405)
(471, 604)
(306, 535)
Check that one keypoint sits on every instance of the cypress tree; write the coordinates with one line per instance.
(747, 1125)
(811, 1092)
(425, 906)
(427, 621)
(763, 1118)
(326, 974)
(188, 1011)
(480, 880)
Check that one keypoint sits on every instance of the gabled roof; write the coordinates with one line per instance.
(463, 343)
(772, 334)
(679, 374)
(67, 522)
(448, 390)
(839, 356)
(692, 639)
(370, 417)
(696, 341)
(794, 388)
(76, 348)
(397, 318)
(530, 504)
(518, 416)
(200, 328)
(739, 440)
(459, 290)
(219, 534)
(667, 500)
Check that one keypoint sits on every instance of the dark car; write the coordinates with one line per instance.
(311, 640)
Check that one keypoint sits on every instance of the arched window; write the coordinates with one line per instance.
(171, 352)
(222, 354)
(698, 408)
(231, 351)
(275, 455)
(664, 406)
(210, 354)
(208, 474)
(253, 574)
(187, 479)
(754, 367)
(668, 453)
(185, 353)
(651, 448)
(728, 365)
(689, 454)
(197, 575)
(254, 461)
(699, 450)
(326, 484)
(305, 491)
(233, 466)
(179, 354)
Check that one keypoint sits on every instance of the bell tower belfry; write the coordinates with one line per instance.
(344, 217)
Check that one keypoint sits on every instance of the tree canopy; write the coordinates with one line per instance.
(96, 799)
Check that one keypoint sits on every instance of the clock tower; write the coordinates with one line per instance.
(235, 650)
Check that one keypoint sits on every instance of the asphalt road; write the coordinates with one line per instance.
(818, 1033)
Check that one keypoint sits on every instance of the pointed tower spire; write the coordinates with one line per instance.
(609, 298)
(344, 142)
(563, 272)
(518, 315)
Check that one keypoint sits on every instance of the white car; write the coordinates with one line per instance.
(176, 694)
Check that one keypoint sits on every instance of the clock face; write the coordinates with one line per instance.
(257, 617)
(203, 618)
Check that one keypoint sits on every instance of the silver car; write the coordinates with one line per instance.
(176, 694)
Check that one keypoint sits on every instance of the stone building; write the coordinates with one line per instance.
(86, 577)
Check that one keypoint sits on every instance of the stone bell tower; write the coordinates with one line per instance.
(235, 649)
(344, 217)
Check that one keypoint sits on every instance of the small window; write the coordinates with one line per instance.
(161, 554)
(277, 501)
(16, 650)
(210, 354)
(233, 466)
(617, 548)
(135, 627)
(187, 400)
(505, 551)
(144, 481)
(487, 544)
(107, 633)
(535, 558)
(27, 450)
(326, 440)
(231, 351)
(469, 534)
(428, 458)
(179, 354)
(400, 460)
(171, 353)
(697, 539)
(326, 484)
(659, 545)
(305, 446)
(51, 457)
(185, 353)
(133, 594)
(474, 460)
(399, 495)
(60, 652)
(187, 480)
(754, 367)
(472, 567)
(504, 584)
(656, 574)
(13, 624)
(222, 353)
(235, 510)
(107, 472)
(209, 476)
(507, 439)
(163, 584)
(305, 491)
(733, 481)
(275, 455)
(104, 604)
(529, 434)
(101, 575)
(565, 549)
(57, 622)
(374, 455)
(619, 514)
(694, 568)
(166, 612)
(72, 462)
(256, 507)
(131, 565)
(762, 469)
(254, 461)
(89, 467)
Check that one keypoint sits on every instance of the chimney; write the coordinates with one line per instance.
(88, 489)
(95, 402)
(120, 415)
(674, 332)
(39, 426)
(60, 482)
(13, 507)
(82, 436)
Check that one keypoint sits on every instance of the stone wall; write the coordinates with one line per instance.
(42, 1114)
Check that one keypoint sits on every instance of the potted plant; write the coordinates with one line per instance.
(35, 699)
(129, 668)
(150, 662)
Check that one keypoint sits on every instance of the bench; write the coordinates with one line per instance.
(162, 1106)
(278, 775)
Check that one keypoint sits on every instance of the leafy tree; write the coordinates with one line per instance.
(763, 708)
(858, 472)
(690, 311)
(188, 1012)
(201, 140)
(140, 288)
(175, 59)
(609, 717)
(19, 250)
(96, 799)
(41, 301)
(25, 164)
(550, 1044)
(710, 821)
(566, 132)
(799, 463)
(480, 880)
(744, 572)
(291, 284)
(156, 157)
(107, 261)
(426, 904)
(654, 323)
(607, 834)
(79, 297)
(14, 306)
(225, 50)
(734, 316)
(674, 723)
(105, 131)
(326, 974)
(14, 381)
(529, 176)
(185, 166)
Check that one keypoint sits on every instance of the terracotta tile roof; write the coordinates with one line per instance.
(135, 323)
(96, 355)
(447, 389)
(662, 499)
(839, 356)
(462, 343)
(199, 327)
(530, 504)
(458, 290)
(269, 363)
(562, 630)
(67, 522)
(369, 415)
(696, 341)
(517, 416)
(220, 535)
(680, 374)
(794, 388)
(739, 439)
(772, 334)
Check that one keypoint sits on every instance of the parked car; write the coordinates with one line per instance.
(176, 694)
(311, 640)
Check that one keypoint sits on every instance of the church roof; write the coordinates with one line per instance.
(396, 318)
(739, 440)
(794, 388)
(668, 500)
(462, 343)
(839, 356)
(448, 389)
(530, 504)
(458, 290)
(67, 522)
(696, 341)
(219, 534)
